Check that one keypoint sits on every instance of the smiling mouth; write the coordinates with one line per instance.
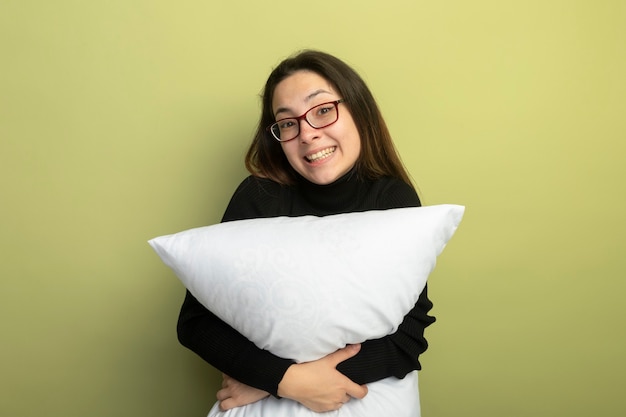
(318, 156)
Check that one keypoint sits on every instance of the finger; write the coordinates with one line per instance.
(356, 390)
(227, 381)
(222, 394)
(226, 405)
(344, 354)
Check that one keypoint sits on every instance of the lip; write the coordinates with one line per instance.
(326, 151)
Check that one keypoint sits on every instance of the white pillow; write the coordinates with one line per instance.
(302, 287)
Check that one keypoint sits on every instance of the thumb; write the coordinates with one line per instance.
(343, 354)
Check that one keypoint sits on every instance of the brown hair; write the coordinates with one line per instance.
(378, 158)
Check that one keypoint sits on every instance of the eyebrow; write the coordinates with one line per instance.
(306, 100)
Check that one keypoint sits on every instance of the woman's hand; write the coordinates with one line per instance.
(236, 394)
(318, 385)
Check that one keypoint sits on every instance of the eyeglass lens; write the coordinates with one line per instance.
(318, 117)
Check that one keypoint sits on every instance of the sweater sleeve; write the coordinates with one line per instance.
(396, 354)
(218, 343)
(393, 355)
(228, 350)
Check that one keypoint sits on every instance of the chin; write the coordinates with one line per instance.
(322, 179)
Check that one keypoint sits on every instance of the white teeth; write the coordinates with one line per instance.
(321, 154)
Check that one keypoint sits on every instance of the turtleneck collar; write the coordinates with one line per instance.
(338, 196)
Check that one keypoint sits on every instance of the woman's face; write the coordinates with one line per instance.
(319, 155)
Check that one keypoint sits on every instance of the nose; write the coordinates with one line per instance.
(307, 132)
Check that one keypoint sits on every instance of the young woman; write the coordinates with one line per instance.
(321, 148)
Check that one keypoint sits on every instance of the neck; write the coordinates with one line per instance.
(337, 196)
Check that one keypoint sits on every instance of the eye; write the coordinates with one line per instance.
(322, 110)
(286, 124)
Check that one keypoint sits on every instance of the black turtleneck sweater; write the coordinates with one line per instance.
(231, 353)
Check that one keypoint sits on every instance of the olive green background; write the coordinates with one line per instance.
(123, 120)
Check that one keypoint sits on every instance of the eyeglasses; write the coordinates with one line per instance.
(317, 117)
